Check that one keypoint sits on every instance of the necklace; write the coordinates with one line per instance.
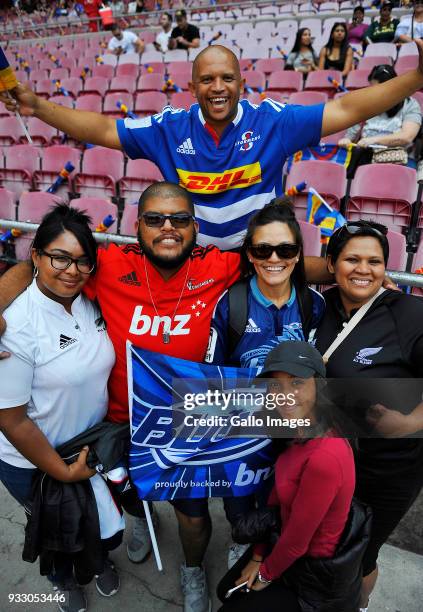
(166, 324)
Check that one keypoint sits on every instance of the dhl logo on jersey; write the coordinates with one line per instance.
(211, 182)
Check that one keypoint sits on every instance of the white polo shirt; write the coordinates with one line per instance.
(127, 42)
(162, 39)
(59, 367)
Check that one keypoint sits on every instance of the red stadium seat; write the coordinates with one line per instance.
(21, 75)
(122, 83)
(182, 99)
(130, 70)
(406, 63)
(384, 193)
(153, 68)
(333, 138)
(129, 58)
(285, 81)
(140, 173)
(53, 159)
(327, 178)
(32, 207)
(111, 99)
(307, 98)
(268, 66)
(368, 63)
(150, 82)
(59, 73)
(103, 70)
(101, 169)
(10, 131)
(150, 102)
(21, 161)
(311, 238)
(318, 81)
(46, 64)
(7, 204)
(181, 79)
(97, 209)
(418, 265)
(95, 85)
(73, 85)
(397, 251)
(129, 218)
(90, 102)
(357, 79)
(69, 62)
(180, 67)
(382, 49)
(45, 88)
(40, 132)
(254, 79)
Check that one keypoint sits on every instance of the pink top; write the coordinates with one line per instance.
(356, 32)
(314, 485)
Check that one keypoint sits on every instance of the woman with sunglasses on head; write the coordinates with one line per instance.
(277, 304)
(54, 384)
(302, 57)
(397, 127)
(337, 53)
(386, 343)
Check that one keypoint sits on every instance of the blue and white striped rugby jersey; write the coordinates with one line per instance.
(230, 178)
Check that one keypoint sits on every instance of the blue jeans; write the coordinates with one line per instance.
(18, 482)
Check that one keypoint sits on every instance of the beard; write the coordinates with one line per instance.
(167, 263)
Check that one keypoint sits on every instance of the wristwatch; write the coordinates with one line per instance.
(262, 580)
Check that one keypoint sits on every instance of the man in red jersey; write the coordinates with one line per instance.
(91, 8)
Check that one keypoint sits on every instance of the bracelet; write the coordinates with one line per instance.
(256, 561)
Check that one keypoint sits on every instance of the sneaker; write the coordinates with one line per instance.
(139, 546)
(235, 553)
(108, 582)
(70, 597)
(195, 590)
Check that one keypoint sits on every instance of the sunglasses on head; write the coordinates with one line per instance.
(178, 220)
(283, 251)
(351, 228)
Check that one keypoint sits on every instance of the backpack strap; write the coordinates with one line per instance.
(238, 313)
(305, 305)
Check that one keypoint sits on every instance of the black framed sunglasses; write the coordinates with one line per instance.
(63, 262)
(178, 220)
(376, 229)
(285, 250)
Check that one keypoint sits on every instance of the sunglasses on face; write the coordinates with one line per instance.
(284, 250)
(178, 220)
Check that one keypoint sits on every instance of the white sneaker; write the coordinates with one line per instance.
(235, 553)
(194, 589)
(139, 545)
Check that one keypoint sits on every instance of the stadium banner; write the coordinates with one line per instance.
(169, 460)
(323, 152)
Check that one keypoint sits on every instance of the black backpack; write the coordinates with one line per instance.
(238, 311)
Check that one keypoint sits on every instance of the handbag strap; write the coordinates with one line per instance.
(353, 322)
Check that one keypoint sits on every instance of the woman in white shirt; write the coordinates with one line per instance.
(54, 385)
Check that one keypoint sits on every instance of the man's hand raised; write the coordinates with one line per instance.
(21, 99)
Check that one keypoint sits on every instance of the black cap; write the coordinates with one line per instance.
(387, 4)
(296, 358)
(180, 13)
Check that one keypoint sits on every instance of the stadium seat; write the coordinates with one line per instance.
(140, 173)
(7, 204)
(150, 82)
(59, 73)
(384, 193)
(253, 50)
(20, 163)
(368, 63)
(153, 68)
(397, 251)
(110, 60)
(181, 79)
(129, 58)
(285, 81)
(307, 98)
(311, 238)
(181, 66)
(406, 63)
(254, 79)
(10, 131)
(69, 62)
(408, 48)
(357, 79)
(327, 178)
(53, 159)
(73, 85)
(90, 102)
(149, 103)
(382, 49)
(40, 132)
(128, 70)
(103, 70)
(418, 95)
(313, 24)
(22, 75)
(102, 168)
(45, 88)
(46, 64)
(66, 101)
(176, 55)
(122, 83)
(111, 100)
(182, 99)
(333, 138)
(32, 207)
(129, 217)
(418, 265)
(95, 85)
(318, 81)
(151, 55)
(268, 66)
(97, 209)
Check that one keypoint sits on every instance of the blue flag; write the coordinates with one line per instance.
(324, 152)
(321, 214)
(169, 460)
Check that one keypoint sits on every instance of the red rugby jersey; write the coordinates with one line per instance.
(121, 289)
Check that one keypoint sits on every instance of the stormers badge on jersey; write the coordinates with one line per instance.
(169, 460)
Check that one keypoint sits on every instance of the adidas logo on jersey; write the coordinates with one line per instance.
(186, 148)
(66, 341)
(130, 279)
(251, 327)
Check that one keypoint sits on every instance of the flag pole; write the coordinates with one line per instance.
(152, 535)
(8, 81)
(21, 121)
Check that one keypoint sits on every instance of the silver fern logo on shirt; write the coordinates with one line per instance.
(363, 355)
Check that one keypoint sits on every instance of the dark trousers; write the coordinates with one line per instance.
(274, 598)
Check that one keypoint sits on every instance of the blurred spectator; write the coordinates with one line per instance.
(117, 7)
(397, 127)
(411, 26)
(91, 8)
(302, 57)
(124, 41)
(384, 29)
(337, 53)
(357, 29)
(185, 35)
(162, 39)
(29, 6)
(136, 7)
